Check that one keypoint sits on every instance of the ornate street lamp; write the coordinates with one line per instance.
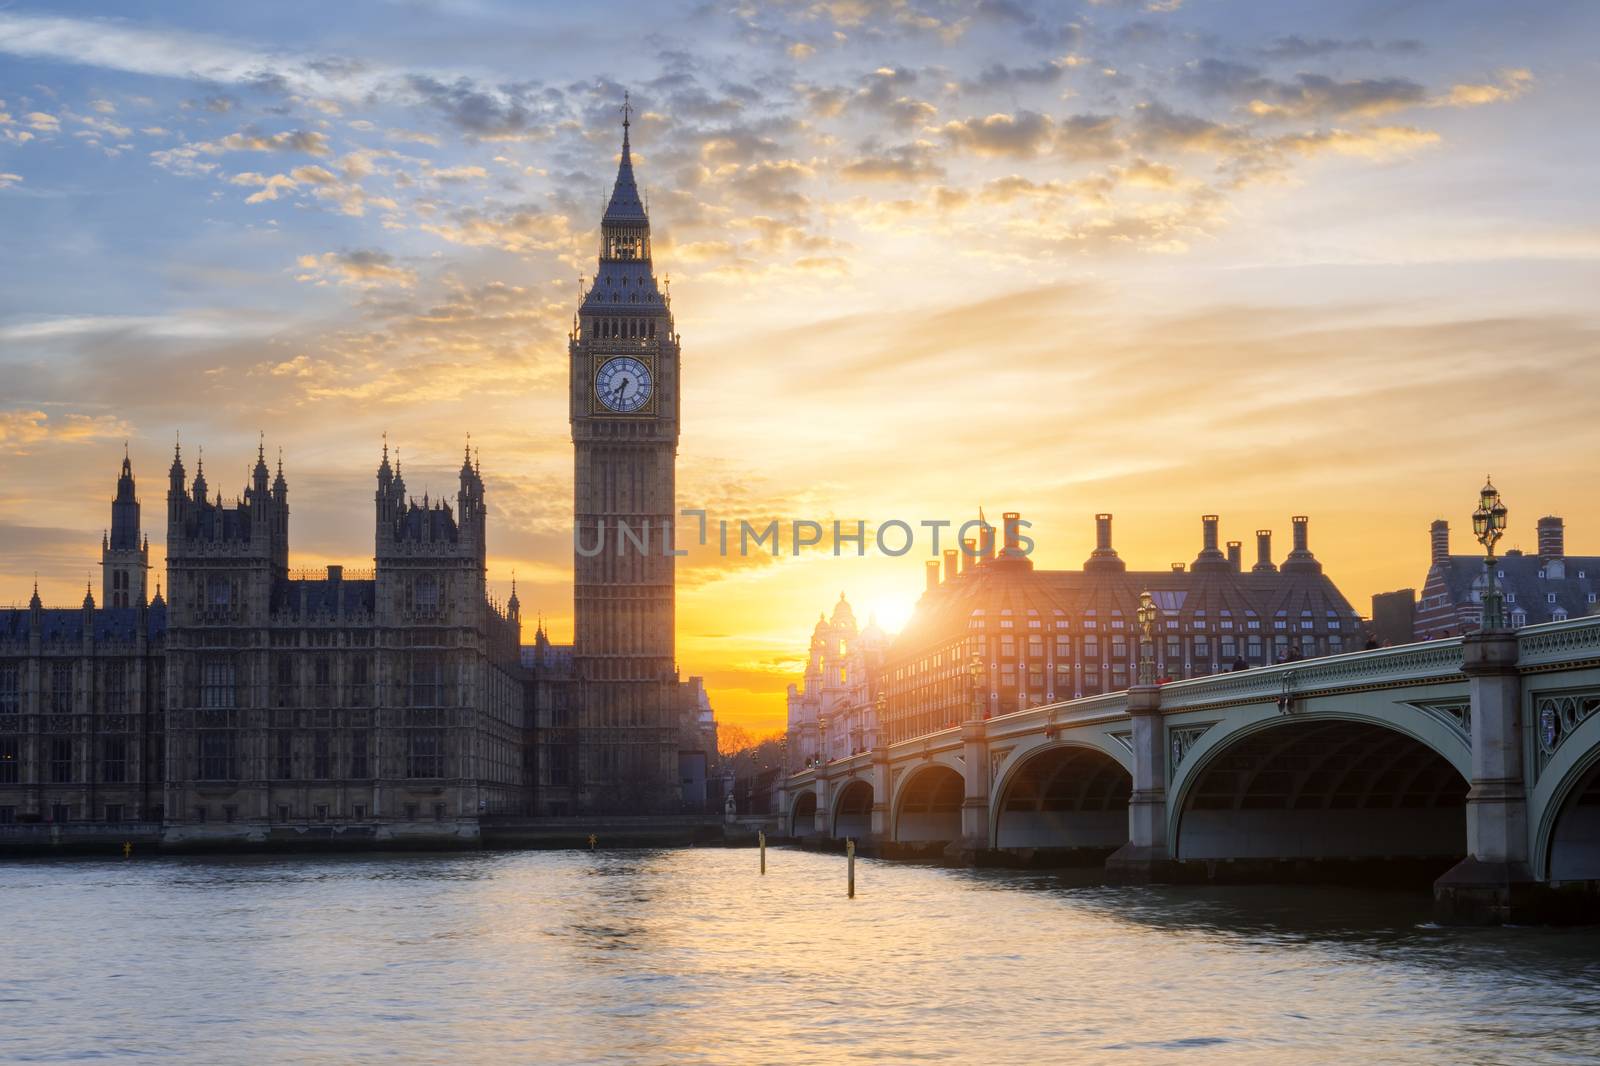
(1147, 650)
(976, 671)
(1489, 525)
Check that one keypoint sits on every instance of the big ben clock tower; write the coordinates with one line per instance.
(624, 412)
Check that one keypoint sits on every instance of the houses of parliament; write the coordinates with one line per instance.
(251, 702)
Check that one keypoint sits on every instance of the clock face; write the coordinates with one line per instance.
(623, 385)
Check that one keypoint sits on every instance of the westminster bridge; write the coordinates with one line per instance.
(1483, 750)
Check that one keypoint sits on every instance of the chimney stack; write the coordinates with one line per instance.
(1439, 538)
(933, 574)
(1552, 538)
(969, 554)
(950, 560)
(1013, 532)
(1236, 555)
(1263, 552)
(1104, 556)
(1300, 559)
(985, 542)
(1210, 560)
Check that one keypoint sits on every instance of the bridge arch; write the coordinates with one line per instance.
(1061, 794)
(852, 810)
(803, 815)
(1565, 804)
(1320, 786)
(928, 805)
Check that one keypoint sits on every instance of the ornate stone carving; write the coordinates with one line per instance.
(1556, 716)
(1456, 713)
(1180, 739)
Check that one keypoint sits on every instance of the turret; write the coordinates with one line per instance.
(124, 555)
(199, 490)
(175, 488)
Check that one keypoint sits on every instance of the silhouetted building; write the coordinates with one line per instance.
(1394, 616)
(81, 711)
(386, 703)
(391, 702)
(624, 403)
(1041, 636)
(1546, 587)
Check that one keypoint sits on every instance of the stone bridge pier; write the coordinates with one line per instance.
(1495, 882)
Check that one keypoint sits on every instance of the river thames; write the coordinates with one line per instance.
(689, 957)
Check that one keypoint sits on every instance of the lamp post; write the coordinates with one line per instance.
(1147, 651)
(976, 671)
(822, 738)
(881, 706)
(1489, 525)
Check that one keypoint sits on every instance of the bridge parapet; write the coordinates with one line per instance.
(1568, 645)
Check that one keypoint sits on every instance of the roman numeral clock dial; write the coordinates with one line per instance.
(624, 385)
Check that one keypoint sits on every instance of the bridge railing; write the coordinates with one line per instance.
(1548, 642)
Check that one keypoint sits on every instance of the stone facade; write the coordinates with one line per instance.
(834, 713)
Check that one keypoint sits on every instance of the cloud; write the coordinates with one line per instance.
(1088, 137)
(1378, 142)
(771, 184)
(1158, 128)
(1019, 136)
(513, 228)
(1296, 47)
(414, 136)
(512, 113)
(269, 186)
(116, 45)
(251, 139)
(881, 94)
(362, 267)
(999, 76)
(1308, 95)
(21, 428)
(7, 179)
(917, 161)
(1512, 84)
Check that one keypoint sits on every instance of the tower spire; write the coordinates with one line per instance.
(627, 110)
(625, 205)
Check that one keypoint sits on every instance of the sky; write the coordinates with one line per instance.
(1157, 258)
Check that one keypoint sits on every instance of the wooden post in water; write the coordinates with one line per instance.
(761, 836)
(850, 866)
